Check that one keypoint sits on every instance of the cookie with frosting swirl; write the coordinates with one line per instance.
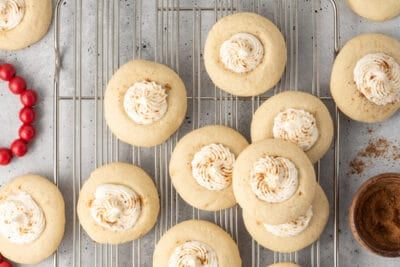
(32, 219)
(118, 203)
(245, 54)
(17, 18)
(144, 103)
(294, 234)
(272, 176)
(201, 166)
(297, 117)
(365, 79)
(196, 243)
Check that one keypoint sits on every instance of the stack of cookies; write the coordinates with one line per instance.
(284, 208)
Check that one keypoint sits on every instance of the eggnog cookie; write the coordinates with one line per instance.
(274, 181)
(202, 164)
(196, 243)
(295, 234)
(365, 81)
(375, 9)
(32, 219)
(118, 203)
(284, 264)
(145, 103)
(298, 117)
(23, 22)
(245, 54)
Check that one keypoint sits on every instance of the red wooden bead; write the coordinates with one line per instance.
(28, 98)
(17, 85)
(7, 71)
(19, 148)
(27, 132)
(27, 115)
(5, 264)
(5, 158)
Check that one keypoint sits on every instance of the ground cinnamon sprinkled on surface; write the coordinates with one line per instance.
(376, 148)
(357, 166)
(396, 152)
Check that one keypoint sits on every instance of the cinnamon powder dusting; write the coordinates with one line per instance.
(376, 148)
(357, 166)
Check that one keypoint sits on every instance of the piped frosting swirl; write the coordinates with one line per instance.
(145, 102)
(297, 126)
(377, 77)
(193, 254)
(115, 207)
(212, 167)
(274, 179)
(22, 221)
(241, 53)
(11, 14)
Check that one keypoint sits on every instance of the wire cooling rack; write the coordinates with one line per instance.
(108, 33)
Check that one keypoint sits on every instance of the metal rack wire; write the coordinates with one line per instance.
(86, 106)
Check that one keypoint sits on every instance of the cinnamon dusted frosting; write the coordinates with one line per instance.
(22, 221)
(377, 77)
(193, 254)
(274, 179)
(116, 207)
(212, 167)
(241, 53)
(11, 13)
(297, 126)
(145, 102)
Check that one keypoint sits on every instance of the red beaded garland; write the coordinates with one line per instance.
(7, 71)
(27, 132)
(19, 148)
(5, 156)
(28, 98)
(27, 115)
(17, 85)
(4, 263)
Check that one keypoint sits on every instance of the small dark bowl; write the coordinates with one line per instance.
(358, 228)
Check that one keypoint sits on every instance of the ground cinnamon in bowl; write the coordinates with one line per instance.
(375, 215)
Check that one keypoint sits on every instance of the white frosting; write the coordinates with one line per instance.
(115, 207)
(377, 77)
(297, 126)
(11, 13)
(145, 102)
(212, 167)
(22, 221)
(193, 254)
(274, 179)
(292, 228)
(241, 53)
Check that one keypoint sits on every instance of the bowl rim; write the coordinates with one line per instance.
(364, 188)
